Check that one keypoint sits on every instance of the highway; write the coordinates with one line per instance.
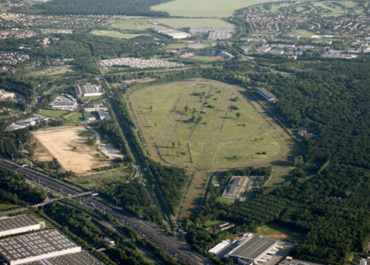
(173, 247)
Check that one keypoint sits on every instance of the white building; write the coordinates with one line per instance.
(172, 33)
(17, 225)
(89, 90)
(64, 102)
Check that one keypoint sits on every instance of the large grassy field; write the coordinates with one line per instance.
(206, 126)
(113, 34)
(276, 231)
(205, 8)
(194, 23)
(232, 131)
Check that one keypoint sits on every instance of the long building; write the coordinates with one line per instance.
(18, 224)
(172, 33)
(79, 258)
(35, 247)
(89, 90)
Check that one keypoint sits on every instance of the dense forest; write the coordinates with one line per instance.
(326, 196)
(96, 7)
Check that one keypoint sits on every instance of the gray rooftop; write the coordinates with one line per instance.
(252, 248)
(79, 258)
(89, 88)
(9, 223)
(36, 244)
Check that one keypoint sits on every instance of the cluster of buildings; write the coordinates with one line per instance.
(140, 63)
(16, 33)
(47, 247)
(21, 124)
(101, 111)
(13, 58)
(172, 33)
(64, 102)
(62, 21)
(249, 250)
(88, 90)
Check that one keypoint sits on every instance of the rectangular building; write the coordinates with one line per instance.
(235, 187)
(37, 246)
(266, 94)
(79, 258)
(89, 90)
(17, 225)
(252, 250)
(172, 33)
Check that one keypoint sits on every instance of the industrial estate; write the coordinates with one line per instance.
(209, 132)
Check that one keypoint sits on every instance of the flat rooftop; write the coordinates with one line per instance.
(79, 258)
(10, 223)
(36, 244)
(252, 248)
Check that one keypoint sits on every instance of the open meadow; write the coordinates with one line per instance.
(69, 146)
(205, 8)
(207, 126)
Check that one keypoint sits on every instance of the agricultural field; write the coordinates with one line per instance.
(69, 146)
(52, 113)
(205, 8)
(114, 34)
(132, 23)
(207, 126)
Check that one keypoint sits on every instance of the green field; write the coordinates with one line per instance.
(99, 179)
(114, 34)
(52, 113)
(194, 23)
(222, 139)
(276, 231)
(205, 8)
(133, 23)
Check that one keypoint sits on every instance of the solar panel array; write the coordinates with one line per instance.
(9, 223)
(35, 244)
(79, 258)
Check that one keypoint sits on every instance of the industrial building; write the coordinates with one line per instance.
(35, 247)
(172, 33)
(64, 102)
(267, 94)
(89, 90)
(18, 224)
(79, 258)
(247, 250)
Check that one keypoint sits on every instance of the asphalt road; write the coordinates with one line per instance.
(173, 247)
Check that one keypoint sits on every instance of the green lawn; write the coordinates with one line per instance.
(205, 8)
(133, 23)
(76, 116)
(99, 179)
(194, 23)
(7, 206)
(221, 140)
(278, 232)
(52, 113)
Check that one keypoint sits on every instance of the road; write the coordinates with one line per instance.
(173, 247)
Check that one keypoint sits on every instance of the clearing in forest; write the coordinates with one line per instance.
(69, 146)
(207, 126)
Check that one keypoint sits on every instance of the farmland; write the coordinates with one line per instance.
(205, 8)
(68, 145)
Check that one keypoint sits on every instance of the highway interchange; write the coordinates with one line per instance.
(170, 245)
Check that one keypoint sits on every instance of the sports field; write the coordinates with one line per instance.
(206, 126)
(205, 8)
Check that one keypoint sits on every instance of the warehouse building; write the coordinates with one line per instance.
(235, 187)
(89, 90)
(18, 224)
(64, 102)
(79, 258)
(172, 33)
(35, 247)
(253, 250)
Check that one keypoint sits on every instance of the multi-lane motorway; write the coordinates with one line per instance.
(173, 247)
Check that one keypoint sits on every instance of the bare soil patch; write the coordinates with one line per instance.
(69, 147)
